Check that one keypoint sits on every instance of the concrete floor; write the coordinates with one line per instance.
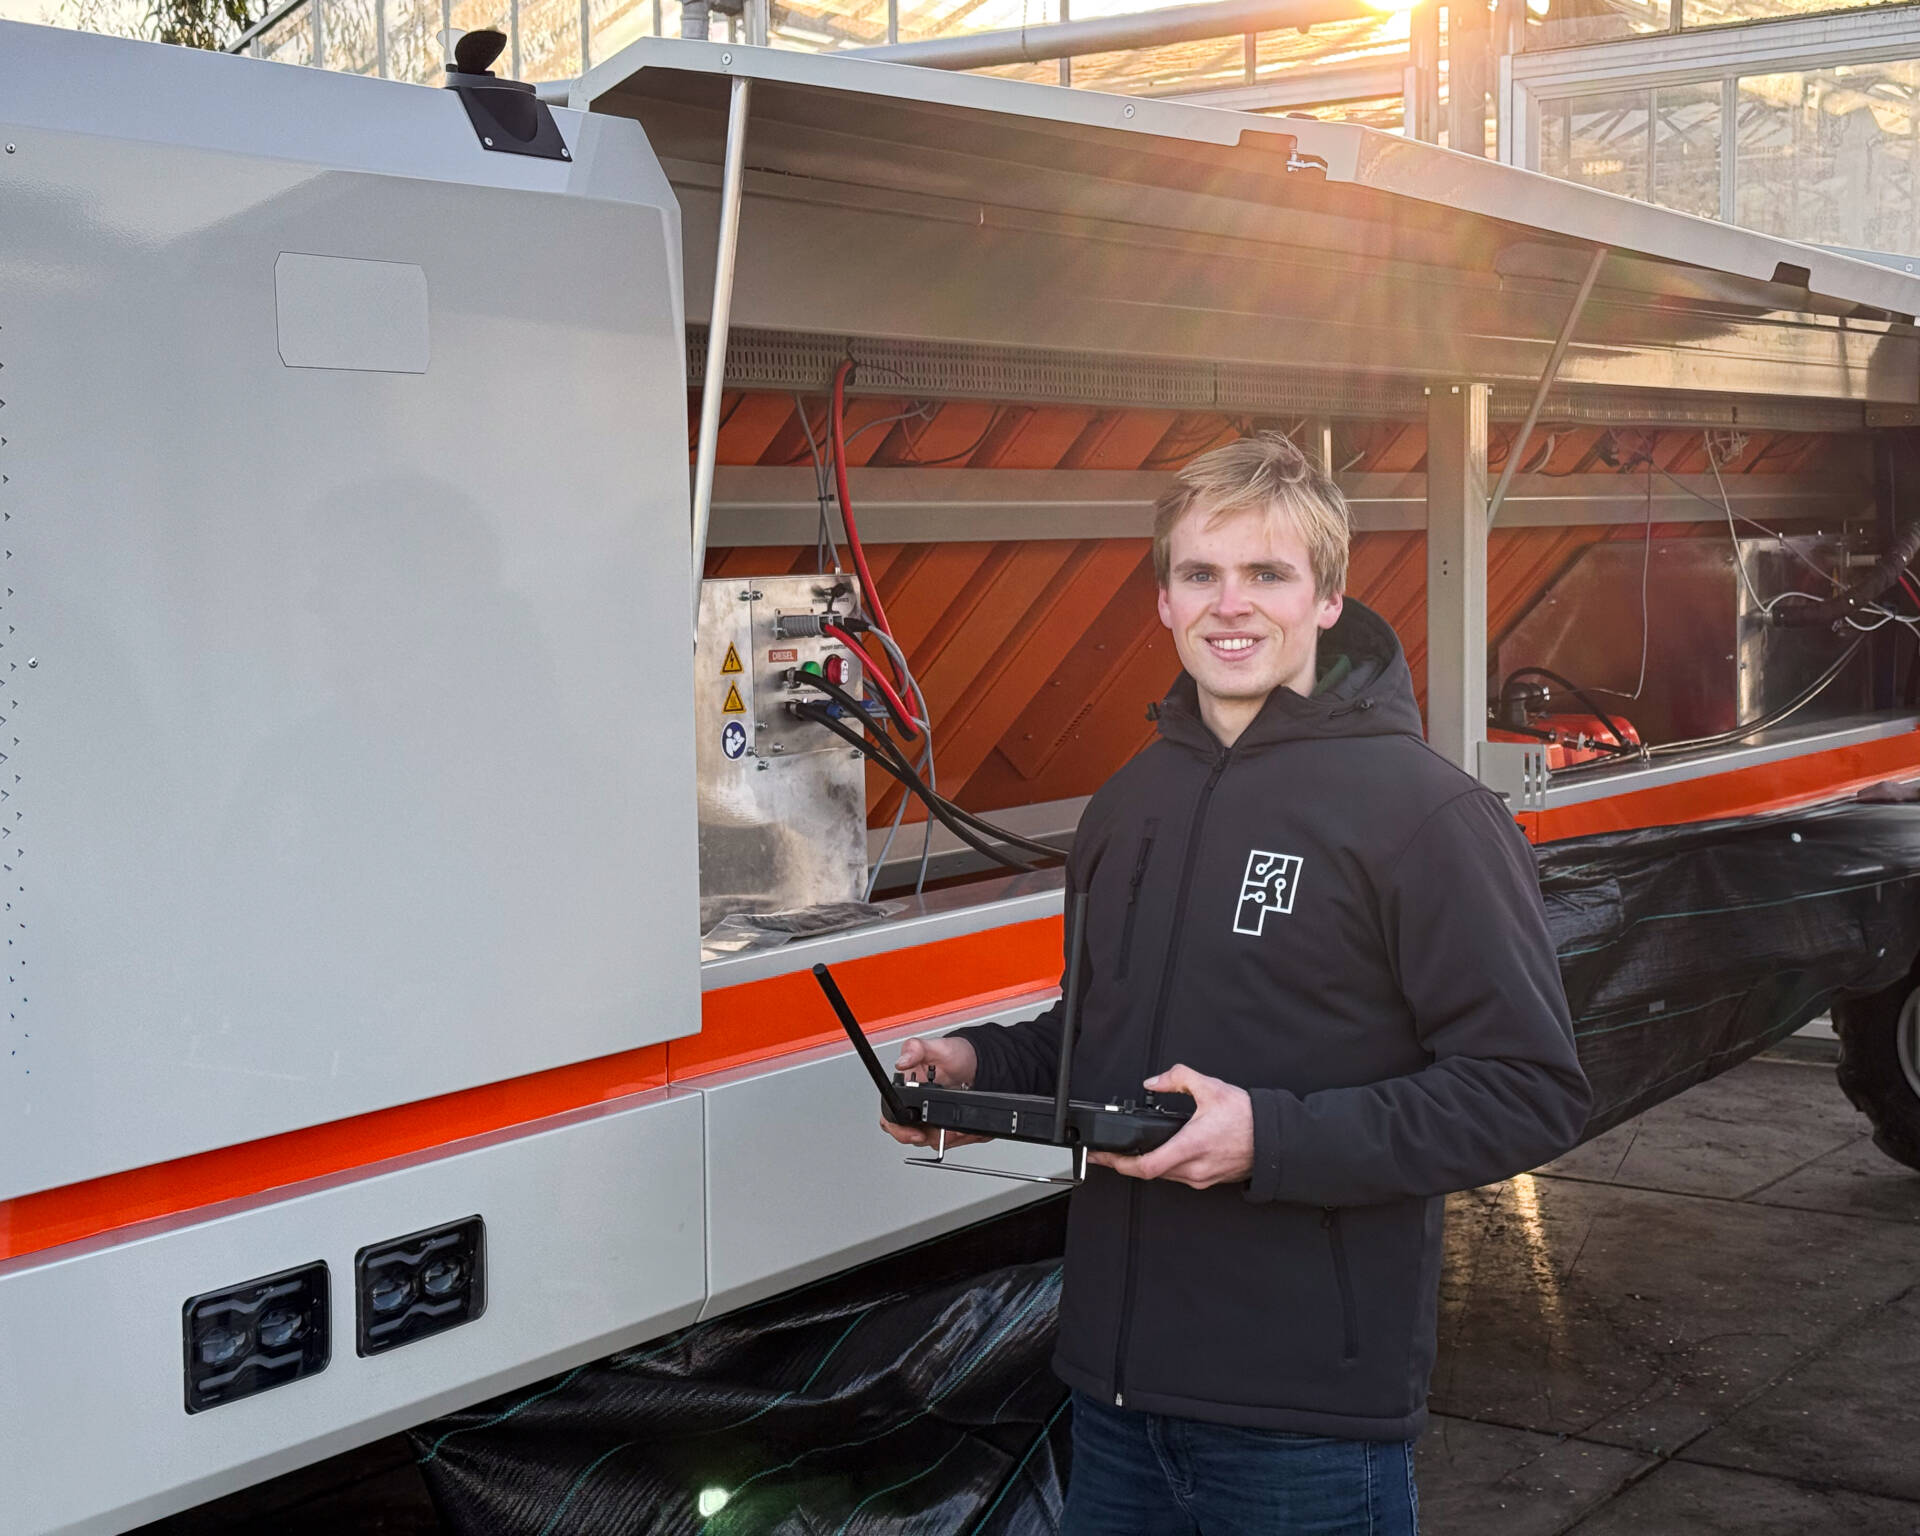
(1706, 1321)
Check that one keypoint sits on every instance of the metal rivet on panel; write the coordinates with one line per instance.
(1127, 111)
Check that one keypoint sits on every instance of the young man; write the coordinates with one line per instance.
(1333, 939)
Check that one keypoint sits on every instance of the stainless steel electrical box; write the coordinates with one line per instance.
(1713, 662)
(783, 804)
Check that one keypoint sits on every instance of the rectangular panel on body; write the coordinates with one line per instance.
(803, 1182)
(594, 1240)
(348, 755)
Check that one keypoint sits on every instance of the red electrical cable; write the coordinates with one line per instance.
(1905, 582)
(838, 436)
(875, 676)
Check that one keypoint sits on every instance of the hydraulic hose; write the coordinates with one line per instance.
(1579, 693)
(1792, 707)
(1887, 573)
(895, 759)
(838, 439)
(912, 783)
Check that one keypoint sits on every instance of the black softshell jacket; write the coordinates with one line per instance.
(1335, 918)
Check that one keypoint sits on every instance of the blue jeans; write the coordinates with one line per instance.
(1143, 1474)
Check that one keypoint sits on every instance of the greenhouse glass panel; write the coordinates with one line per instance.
(549, 39)
(1386, 113)
(1562, 23)
(920, 19)
(288, 41)
(350, 36)
(616, 23)
(1175, 69)
(472, 15)
(414, 50)
(821, 26)
(1686, 148)
(1717, 13)
(1357, 43)
(1599, 141)
(1828, 155)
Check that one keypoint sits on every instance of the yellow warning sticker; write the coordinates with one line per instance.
(732, 663)
(733, 706)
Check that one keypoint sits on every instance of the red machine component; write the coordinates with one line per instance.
(1571, 739)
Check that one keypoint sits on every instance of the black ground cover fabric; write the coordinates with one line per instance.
(909, 1396)
(913, 1395)
(1685, 950)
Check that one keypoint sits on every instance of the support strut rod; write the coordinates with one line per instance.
(1547, 377)
(733, 174)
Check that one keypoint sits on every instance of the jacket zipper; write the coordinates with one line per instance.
(1153, 1054)
(1330, 1220)
(1133, 898)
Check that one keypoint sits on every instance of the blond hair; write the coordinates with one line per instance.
(1264, 473)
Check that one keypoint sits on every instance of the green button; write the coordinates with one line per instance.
(810, 666)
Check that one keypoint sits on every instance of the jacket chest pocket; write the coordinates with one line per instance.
(1139, 874)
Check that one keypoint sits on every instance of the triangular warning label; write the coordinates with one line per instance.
(733, 706)
(732, 663)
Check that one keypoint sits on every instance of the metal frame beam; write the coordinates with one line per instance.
(761, 358)
(779, 507)
(1308, 85)
(1457, 572)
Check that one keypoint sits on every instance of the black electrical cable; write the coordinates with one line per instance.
(898, 759)
(897, 762)
(912, 783)
(1579, 693)
(1726, 738)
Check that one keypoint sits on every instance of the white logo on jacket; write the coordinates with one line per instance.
(1267, 886)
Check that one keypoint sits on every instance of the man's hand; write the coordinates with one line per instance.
(950, 1062)
(1214, 1147)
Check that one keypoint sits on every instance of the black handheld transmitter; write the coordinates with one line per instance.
(1127, 1126)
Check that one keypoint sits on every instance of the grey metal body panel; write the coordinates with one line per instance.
(1164, 230)
(1774, 746)
(948, 914)
(340, 768)
(801, 1181)
(1712, 661)
(594, 1241)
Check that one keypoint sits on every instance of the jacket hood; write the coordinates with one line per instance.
(1364, 689)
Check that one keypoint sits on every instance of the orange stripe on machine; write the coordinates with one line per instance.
(751, 1022)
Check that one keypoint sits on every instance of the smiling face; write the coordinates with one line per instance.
(1245, 615)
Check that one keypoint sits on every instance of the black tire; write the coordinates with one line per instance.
(1871, 1071)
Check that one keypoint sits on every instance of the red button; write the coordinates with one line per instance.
(834, 669)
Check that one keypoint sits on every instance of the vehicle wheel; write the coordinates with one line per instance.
(1880, 1065)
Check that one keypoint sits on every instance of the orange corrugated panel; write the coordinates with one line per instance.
(1032, 437)
(1117, 440)
(1033, 650)
(1189, 435)
(1073, 707)
(1395, 448)
(868, 421)
(748, 424)
(957, 432)
(952, 661)
(1388, 572)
